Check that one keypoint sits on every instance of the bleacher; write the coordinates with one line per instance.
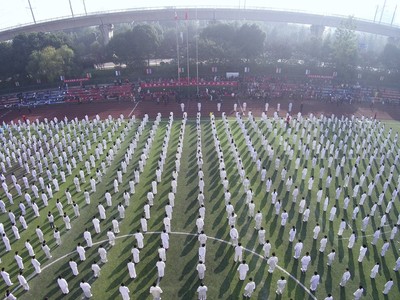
(32, 98)
(8, 101)
(261, 87)
(99, 93)
(390, 96)
(49, 97)
(253, 87)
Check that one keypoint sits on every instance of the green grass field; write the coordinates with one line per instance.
(181, 279)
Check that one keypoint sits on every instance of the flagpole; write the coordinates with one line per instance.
(187, 49)
(197, 54)
(177, 49)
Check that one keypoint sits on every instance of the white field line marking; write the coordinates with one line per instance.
(348, 224)
(5, 113)
(177, 233)
(133, 109)
(361, 236)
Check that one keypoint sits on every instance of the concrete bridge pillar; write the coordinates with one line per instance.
(107, 30)
(317, 30)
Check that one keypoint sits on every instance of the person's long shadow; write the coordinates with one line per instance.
(265, 290)
(341, 250)
(288, 254)
(342, 293)
(320, 266)
(279, 239)
(328, 280)
(373, 285)
(351, 262)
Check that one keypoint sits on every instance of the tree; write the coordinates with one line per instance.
(66, 55)
(327, 48)
(97, 52)
(49, 63)
(250, 41)
(147, 40)
(120, 48)
(88, 46)
(210, 51)
(167, 45)
(222, 34)
(6, 58)
(278, 50)
(134, 46)
(24, 44)
(345, 46)
(229, 42)
(217, 40)
(390, 56)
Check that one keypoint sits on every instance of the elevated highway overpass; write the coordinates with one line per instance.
(108, 18)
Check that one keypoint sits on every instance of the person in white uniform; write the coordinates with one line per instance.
(345, 277)
(388, 286)
(124, 290)
(22, 281)
(281, 283)
(156, 292)
(86, 288)
(6, 277)
(81, 251)
(249, 288)
(202, 292)
(63, 284)
(314, 282)
(103, 254)
(74, 267)
(305, 261)
(36, 264)
(358, 293)
(160, 267)
(272, 262)
(201, 269)
(243, 269)
(374, 271)
(131, 269)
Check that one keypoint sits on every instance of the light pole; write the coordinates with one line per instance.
(394, 14)
(187, 52)
(383, 10)
(70, 6)
(84, 6)
(197, 54)
(30, 7)
(177, 51)
(376, 12)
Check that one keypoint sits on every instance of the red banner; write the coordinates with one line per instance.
(192, 83)
(76, 79)
(320, 76)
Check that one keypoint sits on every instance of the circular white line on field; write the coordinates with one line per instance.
(367, 235)
(177, 233)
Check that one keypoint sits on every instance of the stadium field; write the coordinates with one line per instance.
(181, 279)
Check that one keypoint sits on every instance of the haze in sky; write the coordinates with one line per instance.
(17, 12)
